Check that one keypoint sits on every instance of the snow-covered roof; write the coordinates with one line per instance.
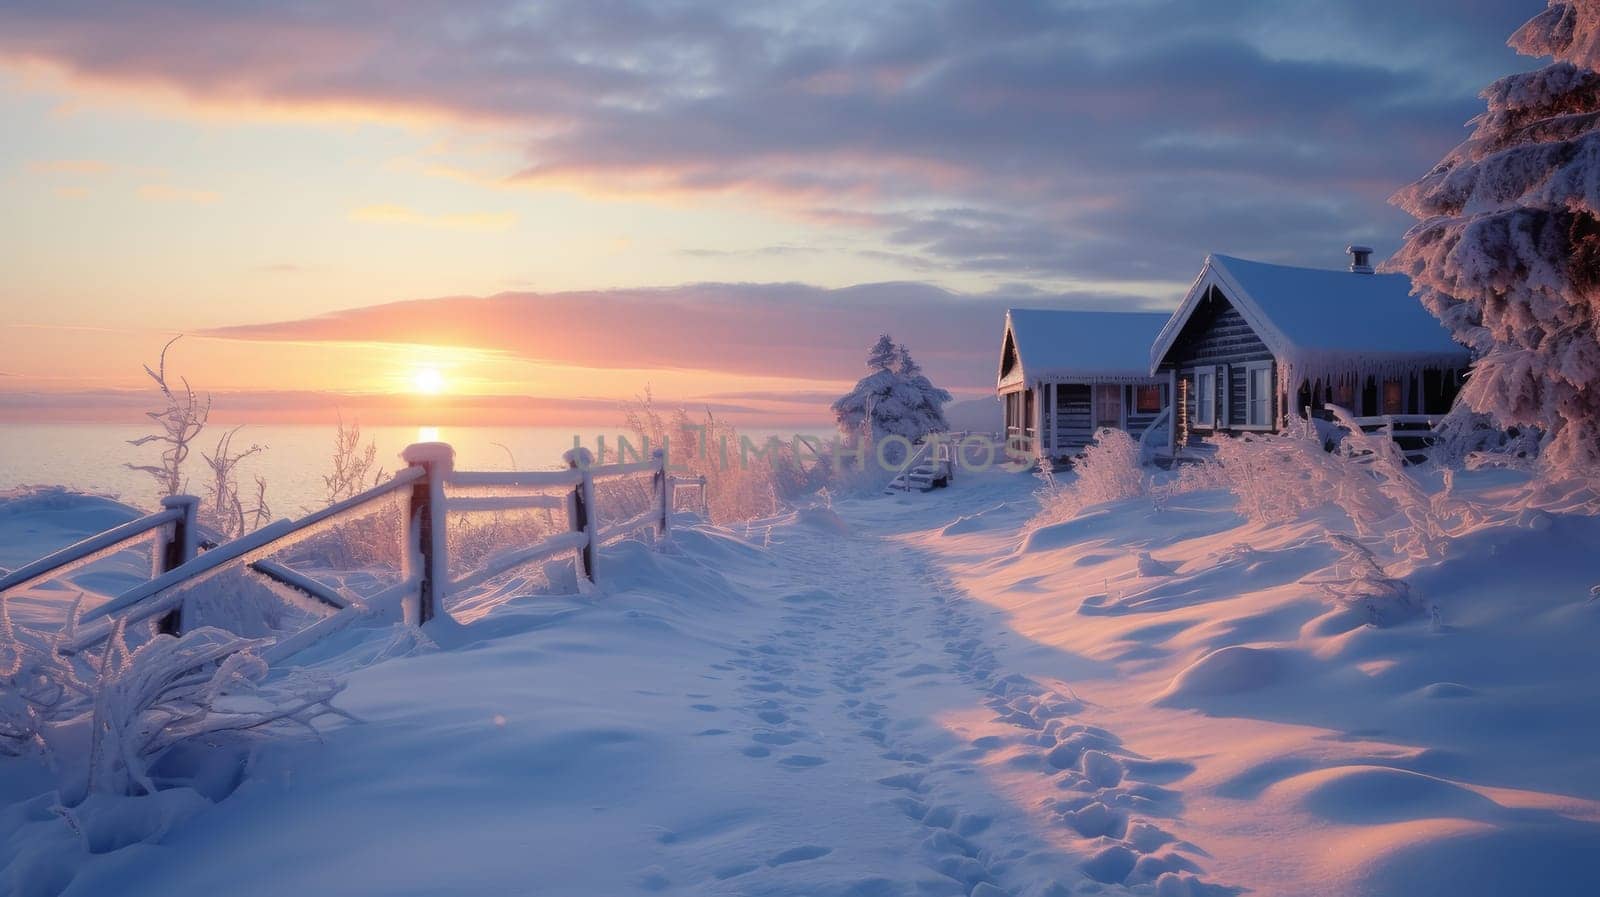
(1061, 344)
(1318, 321)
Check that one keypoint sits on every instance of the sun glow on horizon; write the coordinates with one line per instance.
(427, 381)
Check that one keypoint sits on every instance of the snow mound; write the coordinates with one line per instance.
(1484, 861)
(714, 545)
(1366, 795)
(1228, 671)
(825, 519)
(1064, 535)
(38, 520)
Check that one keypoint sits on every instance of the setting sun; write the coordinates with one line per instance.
(427, 381)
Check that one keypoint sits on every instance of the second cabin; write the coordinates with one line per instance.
(1254, 343)
(1065, 374)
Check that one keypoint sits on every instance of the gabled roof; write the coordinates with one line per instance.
(1062, 344)
(1316, 320)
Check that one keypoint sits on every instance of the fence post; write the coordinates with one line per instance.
(178, 549)
(426, 534)
(663, 492)
(705, 501)
(581, 516)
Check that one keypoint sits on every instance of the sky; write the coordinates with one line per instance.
(521, 212)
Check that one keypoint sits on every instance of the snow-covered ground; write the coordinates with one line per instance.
(916, 695)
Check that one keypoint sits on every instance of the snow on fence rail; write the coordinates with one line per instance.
(427, 576)
(173, 525)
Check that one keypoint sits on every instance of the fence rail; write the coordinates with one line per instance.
(427, 576)
(99, 545)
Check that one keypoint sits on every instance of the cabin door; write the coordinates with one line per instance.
(1107, 405)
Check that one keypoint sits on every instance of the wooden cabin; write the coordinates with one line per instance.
(1065, 374)
(1254, 343)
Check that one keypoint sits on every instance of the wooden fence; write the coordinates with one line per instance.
(427, 577)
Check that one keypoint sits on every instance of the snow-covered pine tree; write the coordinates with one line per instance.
(1507, 253)
(930, 408)
(895, 395)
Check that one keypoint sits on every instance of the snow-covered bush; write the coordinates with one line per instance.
(105, 718)
(1279, 478)
(1464, 435)
(895, 396)
(743, 479)
(227, 509)
(856, 469)
(1422, 535)
(1507, 253)
(353, 467)
(1358, 580)
(1276, 479)
(182, 417)
(1108, 470)
(34, 679)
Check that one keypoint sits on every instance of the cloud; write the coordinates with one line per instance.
(397, 214)
(269, 406)
(69, 166)
(170, 193)
(777, 330)
(1052, 141)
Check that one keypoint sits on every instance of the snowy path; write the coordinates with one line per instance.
(875, 708)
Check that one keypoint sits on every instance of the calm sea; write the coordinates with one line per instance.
(94, 457)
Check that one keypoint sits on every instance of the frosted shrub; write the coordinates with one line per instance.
(182, 416)
(353, 468)
(1279, 478)
(1108, 470)
(106, 718)
(206, 684)
(1276, 479)
(1359, 581)
(34, 679)
(1463, 435)
(228, 510)
(740, 485)
(864, 477)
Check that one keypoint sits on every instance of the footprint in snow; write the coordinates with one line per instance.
(799, 854)
(801, 761)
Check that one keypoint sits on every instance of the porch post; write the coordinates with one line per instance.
(1038, 419)
(1055, 389)
(1172, 414)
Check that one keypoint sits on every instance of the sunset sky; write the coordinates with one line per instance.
(521, 212)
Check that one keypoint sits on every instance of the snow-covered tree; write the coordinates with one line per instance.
(1507, 253)
(895, 395)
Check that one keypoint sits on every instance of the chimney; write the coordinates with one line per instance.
(1360, 259)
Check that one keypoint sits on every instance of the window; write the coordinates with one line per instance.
(1107, 406)
(1258, 395)
(1147, 399)
(1394, 398)
(1205, 399)
(1344, 395)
